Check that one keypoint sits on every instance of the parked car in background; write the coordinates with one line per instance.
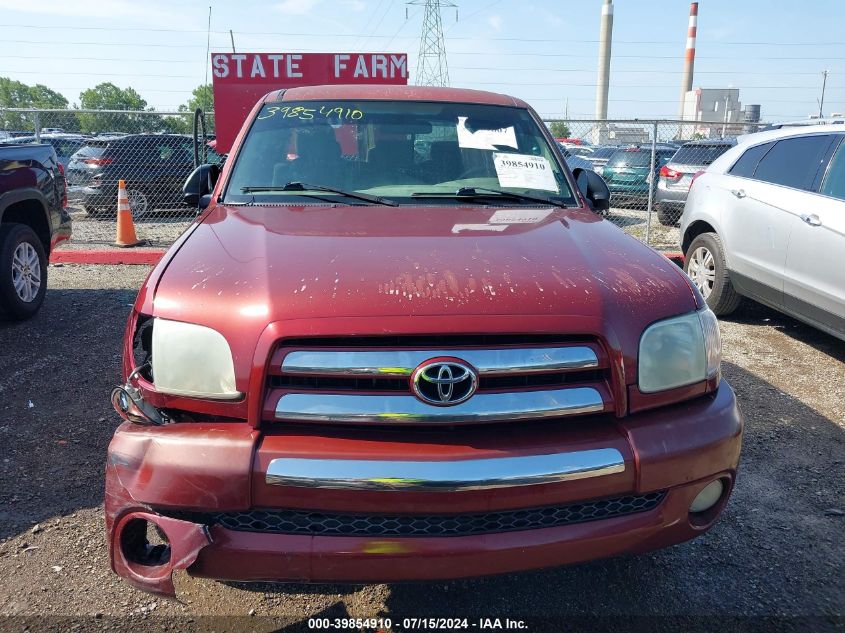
(676, 175)
(66, 145)
(572, 159)
(627, 172)
(154, 167)
(580, 150)
(600, 155)
(766, 221)
(33, 220)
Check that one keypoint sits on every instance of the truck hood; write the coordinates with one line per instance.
(244, 267)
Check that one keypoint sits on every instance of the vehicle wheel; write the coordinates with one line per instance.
(23, 271)
(704, 263)
(668, 217)
(138, 203)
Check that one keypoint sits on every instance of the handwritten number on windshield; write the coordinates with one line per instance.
(300, 112)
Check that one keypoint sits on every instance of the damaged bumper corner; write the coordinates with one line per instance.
(150, 567)
(212, 471)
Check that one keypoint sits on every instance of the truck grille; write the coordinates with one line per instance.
(370, 380)
(326, 524)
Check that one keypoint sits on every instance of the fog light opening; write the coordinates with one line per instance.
(144, 543)
(708, 497)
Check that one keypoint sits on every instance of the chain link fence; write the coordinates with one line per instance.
(152, 151)
(647, 164)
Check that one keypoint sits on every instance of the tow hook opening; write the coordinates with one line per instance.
(144, 543)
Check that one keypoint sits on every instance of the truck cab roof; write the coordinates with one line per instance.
(392, 93)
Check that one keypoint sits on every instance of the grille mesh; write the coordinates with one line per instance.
(324, 524)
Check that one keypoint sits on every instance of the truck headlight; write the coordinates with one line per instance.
(192, 360)
(679, 351)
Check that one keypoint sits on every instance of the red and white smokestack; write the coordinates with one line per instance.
(689, 56)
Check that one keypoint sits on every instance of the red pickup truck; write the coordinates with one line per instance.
(400, 344)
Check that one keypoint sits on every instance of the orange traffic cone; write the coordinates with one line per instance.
(125, 226)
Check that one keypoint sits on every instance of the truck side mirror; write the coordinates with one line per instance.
(593, 187)
(199, 185)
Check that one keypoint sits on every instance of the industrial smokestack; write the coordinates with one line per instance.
(605, 39)
(689, 57)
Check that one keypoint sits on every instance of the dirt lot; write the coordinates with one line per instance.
(775, 560)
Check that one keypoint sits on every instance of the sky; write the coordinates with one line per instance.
(543, 51)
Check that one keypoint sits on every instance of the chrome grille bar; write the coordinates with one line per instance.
(444, 476)
(482, 407)
(400, 363)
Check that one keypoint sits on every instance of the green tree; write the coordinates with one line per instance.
(44, 97)
(201, 97)
(107, 96)
(16, 94)
(559, 129)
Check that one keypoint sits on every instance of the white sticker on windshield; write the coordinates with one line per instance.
(521, 170)
(485, 139)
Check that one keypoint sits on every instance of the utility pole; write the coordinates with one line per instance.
(207, 47)
(432, 67)
(821, 101)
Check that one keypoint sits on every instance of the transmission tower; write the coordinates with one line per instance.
(432, 69)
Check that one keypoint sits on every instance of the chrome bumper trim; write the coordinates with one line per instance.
(482, 407)
(400, 363)
(470, 474)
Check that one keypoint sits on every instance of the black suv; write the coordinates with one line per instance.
(154, 167)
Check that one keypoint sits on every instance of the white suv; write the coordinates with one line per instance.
(766, 220)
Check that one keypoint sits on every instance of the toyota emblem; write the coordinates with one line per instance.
(444, 382)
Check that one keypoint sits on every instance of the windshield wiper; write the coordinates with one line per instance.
(484, 192)
(305, 187)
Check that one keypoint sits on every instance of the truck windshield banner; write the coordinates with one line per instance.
(241, 79)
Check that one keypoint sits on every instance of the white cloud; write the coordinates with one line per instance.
(495, 21)
(296, 7)
(115, 9)
(355, 5)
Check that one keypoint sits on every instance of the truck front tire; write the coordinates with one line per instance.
(23, 271)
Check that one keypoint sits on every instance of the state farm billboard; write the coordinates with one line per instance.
(241, 79)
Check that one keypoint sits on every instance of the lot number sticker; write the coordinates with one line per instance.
(521, 170)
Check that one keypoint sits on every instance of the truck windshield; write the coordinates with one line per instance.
(401, 151)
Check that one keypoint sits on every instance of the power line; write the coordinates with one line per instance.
(476, 53)
(378, 24)
(671, 42)
(370, 19)
(523, 69)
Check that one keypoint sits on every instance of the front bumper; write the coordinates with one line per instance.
(173, 474)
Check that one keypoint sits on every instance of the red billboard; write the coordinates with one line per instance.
(241, 79)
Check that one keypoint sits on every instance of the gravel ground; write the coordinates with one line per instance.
(774, 561)
(159, 229)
